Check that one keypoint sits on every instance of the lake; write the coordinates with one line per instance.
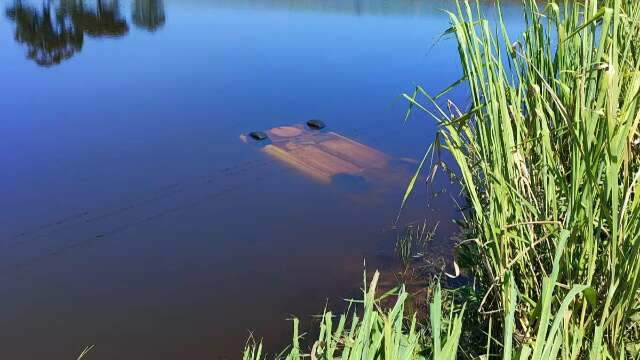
(134, 217)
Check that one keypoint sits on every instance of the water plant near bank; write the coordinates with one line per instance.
(376, 333)
(548, 146)
(373, 332)
(547, 150)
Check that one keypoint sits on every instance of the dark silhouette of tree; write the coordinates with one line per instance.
(148, 14)
(54, 36)
(48, 40)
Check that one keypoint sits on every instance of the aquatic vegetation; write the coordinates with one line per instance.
(548, 148)
(394, 334)
(376, 333)
(411, 242)
(84, 352)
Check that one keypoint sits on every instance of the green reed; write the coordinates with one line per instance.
(373, 332)
(548, 146)
(378, 334)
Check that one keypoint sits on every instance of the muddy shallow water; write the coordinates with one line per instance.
(134, 218)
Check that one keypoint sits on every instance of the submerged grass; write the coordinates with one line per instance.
(412, 241)
(548, 154)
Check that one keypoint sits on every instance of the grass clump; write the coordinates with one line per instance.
(548, 146)
(389, 333)
(374, 332)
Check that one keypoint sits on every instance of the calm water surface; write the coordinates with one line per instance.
(133, 217)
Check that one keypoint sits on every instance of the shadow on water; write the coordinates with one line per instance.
(55, 31)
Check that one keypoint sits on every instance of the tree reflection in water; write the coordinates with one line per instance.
(104, 20)
(55, 31)
(49, 39)
(148, 14)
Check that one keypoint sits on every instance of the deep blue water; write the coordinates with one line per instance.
(133, 217)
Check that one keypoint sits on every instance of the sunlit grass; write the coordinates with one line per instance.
(389, 333)
(371, 331)
(548, 146)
